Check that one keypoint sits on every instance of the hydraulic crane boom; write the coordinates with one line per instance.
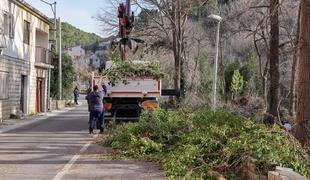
(126, 21)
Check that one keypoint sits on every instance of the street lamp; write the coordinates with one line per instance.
(218, 19)
(53, 7)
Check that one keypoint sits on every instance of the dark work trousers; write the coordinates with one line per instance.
(92, 120)
(76, 100)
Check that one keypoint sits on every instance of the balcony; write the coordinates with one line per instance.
(43, 57)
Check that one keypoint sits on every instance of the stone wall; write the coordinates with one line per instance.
(15, 69)
(284, 174)
(57, 104)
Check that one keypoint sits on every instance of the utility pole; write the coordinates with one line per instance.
(218, 19)
(53, 7)
(55, 26)
(60, 65)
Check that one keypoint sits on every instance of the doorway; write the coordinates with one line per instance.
(39, 95)
(23, 94)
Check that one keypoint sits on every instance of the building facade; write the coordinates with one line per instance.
(24, 60)
(76, 52)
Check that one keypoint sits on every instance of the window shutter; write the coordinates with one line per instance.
(11, 26)
(6, 24)
(26, 32)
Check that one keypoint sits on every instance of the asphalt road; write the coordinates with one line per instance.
(61, 148)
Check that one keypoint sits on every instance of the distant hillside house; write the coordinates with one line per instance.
(76, 52)
(24, 58)
(94, 55)
(95, 61)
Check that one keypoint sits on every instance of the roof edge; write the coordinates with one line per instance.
(23, 4)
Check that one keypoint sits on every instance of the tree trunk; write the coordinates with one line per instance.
(177, 75)
(293, 78)
(274, 58)
(292, 87)
(302, 128)
(180, 50)
(265, 90)
(177, 46)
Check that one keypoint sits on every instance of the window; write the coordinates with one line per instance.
(26, 32)
(8, 22)
(4, 85)
(11, 26)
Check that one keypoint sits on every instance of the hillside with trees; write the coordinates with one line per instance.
(72, 36)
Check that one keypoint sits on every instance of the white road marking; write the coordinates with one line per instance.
(67, 167)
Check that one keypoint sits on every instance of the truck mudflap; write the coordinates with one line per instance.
(128, 110)
(150, 104)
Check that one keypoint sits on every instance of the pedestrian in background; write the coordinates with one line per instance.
(86, 97)
(76, 95)
(95, 99)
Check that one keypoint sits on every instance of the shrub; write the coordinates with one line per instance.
(237, 84)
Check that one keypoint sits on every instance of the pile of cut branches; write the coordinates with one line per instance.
(120, 71)
(192, 145)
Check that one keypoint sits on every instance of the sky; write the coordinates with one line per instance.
(79, 13)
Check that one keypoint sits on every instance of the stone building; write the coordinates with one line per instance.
(24, 60)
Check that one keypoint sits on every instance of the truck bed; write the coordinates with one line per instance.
(140, 87)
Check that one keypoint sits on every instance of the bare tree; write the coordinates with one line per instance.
(107, 17)
(171, 20)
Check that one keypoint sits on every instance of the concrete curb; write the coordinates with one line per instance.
(41, 117)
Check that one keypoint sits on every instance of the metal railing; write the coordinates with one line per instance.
(43, 55)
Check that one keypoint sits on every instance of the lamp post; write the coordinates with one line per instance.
(218, 19)
(60, 65)
(53, 7)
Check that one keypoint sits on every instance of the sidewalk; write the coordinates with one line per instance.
(9, 124)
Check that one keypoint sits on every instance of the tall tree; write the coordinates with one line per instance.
(169, 25)
(302, 129)
(274, 58)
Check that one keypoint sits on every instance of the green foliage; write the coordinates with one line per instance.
(205, 76)
(125, 69)
(237, 83)
(188, 145)
(229, 72)
(14, 116)
(72, 36)
(114, 55)
(246, 71)
(68, 75)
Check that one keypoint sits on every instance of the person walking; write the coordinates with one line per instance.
(86, 97)
(95, 99)
(76, 95)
